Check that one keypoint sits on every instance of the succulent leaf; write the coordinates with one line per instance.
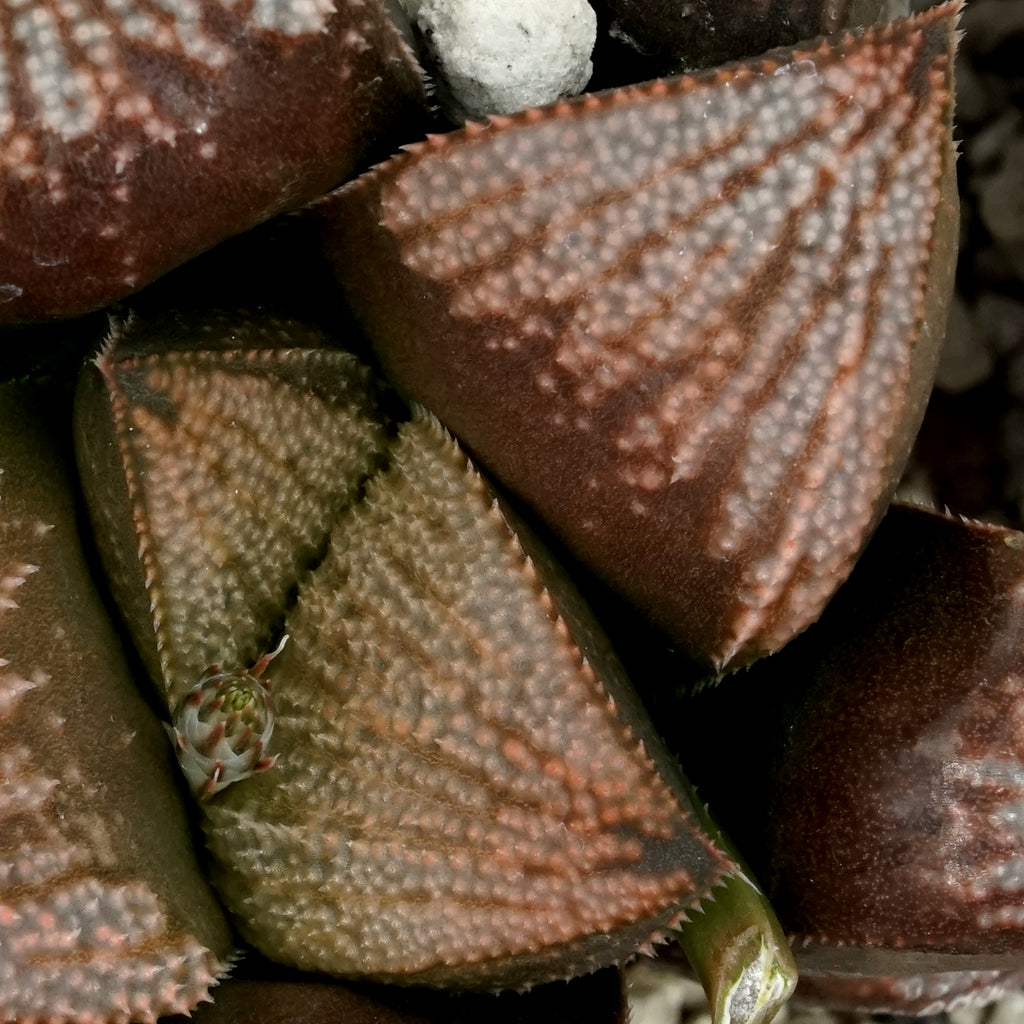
(878, 790)
(467, 793)
(925, 849)
(693, 323)
(217, 473)
(134, 137)
(104, 914)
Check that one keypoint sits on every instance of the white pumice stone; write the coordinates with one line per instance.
(496, 57)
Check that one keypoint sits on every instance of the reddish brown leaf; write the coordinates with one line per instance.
(693, 323)
(104, 915)
(466, 792)
(879, 790)
(133, 136)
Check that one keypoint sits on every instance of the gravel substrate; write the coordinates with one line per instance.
(661, 994)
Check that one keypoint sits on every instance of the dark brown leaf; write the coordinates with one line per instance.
(466, 793)
(104, 915)
(693, 324)
(879, 790)
(594, 1000)
(133, 136)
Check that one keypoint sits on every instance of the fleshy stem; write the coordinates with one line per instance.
(737, 948)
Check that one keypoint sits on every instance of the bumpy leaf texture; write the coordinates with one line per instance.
(910, 722)
(693, 323)
(466, 792)
(134, 136)
(104, 914)
(217, 472)
(460, 798)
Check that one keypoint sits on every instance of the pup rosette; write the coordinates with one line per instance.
(223, 727)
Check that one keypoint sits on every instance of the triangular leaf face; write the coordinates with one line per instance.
(692, 323)
(459, 798)
(213, 477)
